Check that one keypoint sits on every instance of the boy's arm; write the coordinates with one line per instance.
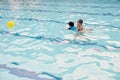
(67, 29)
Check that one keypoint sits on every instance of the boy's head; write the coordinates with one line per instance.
(71, 23)
(80, 21)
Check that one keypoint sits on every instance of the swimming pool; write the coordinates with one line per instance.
(38, 48)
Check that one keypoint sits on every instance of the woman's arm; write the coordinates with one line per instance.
(87, 30)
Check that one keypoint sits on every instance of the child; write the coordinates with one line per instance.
(71, 26)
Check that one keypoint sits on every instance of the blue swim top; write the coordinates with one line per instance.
(73, 28)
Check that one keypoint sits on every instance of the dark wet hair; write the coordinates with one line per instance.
(80, 21)
(71, 23)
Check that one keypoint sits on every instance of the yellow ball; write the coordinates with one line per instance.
(10, 24)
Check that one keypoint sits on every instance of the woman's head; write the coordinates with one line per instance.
(79, 24)
(80, 21)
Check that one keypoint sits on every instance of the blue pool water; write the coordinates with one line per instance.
(38, 48)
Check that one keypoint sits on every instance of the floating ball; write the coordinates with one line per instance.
(10, 24)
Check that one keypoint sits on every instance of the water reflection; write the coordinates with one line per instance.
(14, 5)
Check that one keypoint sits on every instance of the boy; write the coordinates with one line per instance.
(71, 26)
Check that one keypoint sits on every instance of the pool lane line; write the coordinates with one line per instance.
(112, 26)
(32, 19)
(74, 12)
(28, 74)
(49, 39)
(77, 6)
(58, 40)
(55, 21)
(55, 5)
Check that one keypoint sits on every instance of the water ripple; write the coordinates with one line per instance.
(75, 12)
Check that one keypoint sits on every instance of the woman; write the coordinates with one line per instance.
(80, 30)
